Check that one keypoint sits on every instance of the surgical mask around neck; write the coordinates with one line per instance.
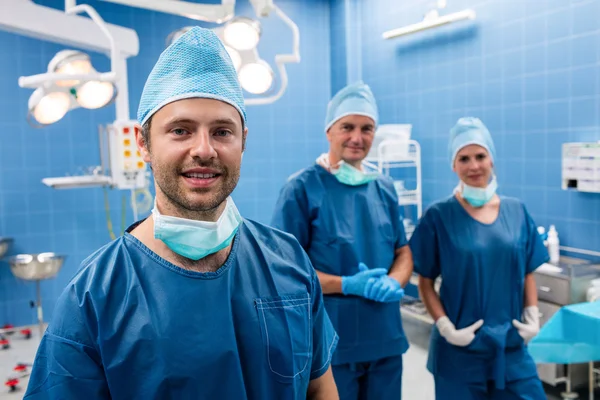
(197, 239)
(478, 197)
(347, 174)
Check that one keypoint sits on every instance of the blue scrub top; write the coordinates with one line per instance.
(131, 325)
(483, 268)
(340, 226)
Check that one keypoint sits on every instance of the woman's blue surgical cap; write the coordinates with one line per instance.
(355, 99)
(467, 131)
(196, 65)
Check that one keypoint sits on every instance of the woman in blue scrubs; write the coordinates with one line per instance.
(485, 248)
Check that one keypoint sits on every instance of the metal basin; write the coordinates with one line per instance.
(34, 267)
(4, 245)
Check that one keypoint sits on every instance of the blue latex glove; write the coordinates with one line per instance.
(356, 284)
(384, 289)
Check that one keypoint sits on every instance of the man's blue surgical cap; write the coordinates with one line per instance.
(355, 99)
(467, 131)
(196, 65)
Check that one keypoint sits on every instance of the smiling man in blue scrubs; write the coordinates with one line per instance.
(195, 302)
(346, 216)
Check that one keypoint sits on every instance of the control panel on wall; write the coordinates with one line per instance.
(128, 170)
(581, 167)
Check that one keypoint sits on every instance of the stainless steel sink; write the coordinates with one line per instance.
(33, 267)
(5, 243)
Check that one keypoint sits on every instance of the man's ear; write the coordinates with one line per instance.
(328, 133)
(244, 135)
(142, 139)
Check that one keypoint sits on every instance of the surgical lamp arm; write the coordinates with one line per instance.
(262, 8)
(102, 25)
(118, 65)
(295, 56)
(35, 81)
(282, 59)
(217, 13)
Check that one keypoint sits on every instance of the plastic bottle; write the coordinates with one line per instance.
(553, 245)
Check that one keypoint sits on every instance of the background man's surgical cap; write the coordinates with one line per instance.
(195, 66)
(468, 131)
(355, 99)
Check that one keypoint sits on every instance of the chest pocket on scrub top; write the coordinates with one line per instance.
(285, 329)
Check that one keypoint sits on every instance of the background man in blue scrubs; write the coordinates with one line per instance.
(346, 215)
(195, 302)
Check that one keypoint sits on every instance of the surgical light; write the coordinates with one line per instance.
(240, 37)
(70, 62)
(256, 77)
(94, 94)
(235, 55)
(91, 94)
(242, 33)
(71, 82)
(48, 108)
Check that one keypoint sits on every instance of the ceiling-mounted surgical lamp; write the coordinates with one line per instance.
(71, 82)
(242, 33)
(95, 94)
(90, 94)
(256, 77)
(254, 73)
(236, 58)
(240, 37)
(280, 59)
(48, 108)
(70, 62)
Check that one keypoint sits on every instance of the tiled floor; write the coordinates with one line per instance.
(417, 381)
(21, 351)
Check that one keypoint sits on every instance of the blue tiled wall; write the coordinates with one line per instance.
(529, 69)
(283, 137)
(346, 45)
(339, 56)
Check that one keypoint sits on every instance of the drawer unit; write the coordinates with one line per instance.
(553, 289)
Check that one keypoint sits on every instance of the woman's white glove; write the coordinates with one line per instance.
(461, 337)
(530, 325)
